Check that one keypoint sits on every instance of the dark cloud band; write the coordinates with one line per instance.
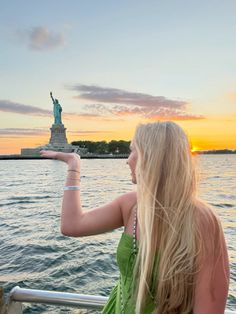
(119, 96)
(21, 132)
(117, 102)
(10, 106)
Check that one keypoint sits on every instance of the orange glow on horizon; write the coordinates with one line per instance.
(194, 149)
(207, 134)
(13, 146)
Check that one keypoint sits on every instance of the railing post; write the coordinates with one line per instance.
(10, 307)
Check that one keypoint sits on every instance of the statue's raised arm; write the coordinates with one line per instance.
(52, 97)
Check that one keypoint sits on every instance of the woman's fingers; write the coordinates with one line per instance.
(48, 153)
(66, 157)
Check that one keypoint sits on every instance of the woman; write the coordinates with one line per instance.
(172, 255)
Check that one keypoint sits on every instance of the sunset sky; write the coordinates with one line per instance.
(113, 64)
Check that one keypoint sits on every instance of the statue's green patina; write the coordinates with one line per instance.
(57, 109)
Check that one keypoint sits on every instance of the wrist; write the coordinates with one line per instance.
(76, 170)
(74, 163)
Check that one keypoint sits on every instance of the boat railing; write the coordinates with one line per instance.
(18, 295)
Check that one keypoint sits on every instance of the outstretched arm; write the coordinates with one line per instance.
(75, 222)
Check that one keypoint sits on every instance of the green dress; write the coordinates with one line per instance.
(122, 291)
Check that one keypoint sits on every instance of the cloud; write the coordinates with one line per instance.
(148, 113)
(79, 115)
(119, 96)
(91, 115)
(41, 38)
(21, 132)
(10, 106)
(163, 114)
(119, 102)
(14, 107)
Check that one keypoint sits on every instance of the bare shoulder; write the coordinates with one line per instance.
(127, 198)
(210, 228)
(207, 217)
(127, 201)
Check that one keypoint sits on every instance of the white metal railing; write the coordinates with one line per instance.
(18, 294)
(22, 295)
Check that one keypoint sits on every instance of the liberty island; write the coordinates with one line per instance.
(58, 140)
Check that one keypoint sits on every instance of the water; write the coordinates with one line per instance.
(35, 255)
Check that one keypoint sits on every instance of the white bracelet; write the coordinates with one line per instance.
(71, 188)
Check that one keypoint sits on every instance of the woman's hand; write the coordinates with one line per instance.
(71, 159)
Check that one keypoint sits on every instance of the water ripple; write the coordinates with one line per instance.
(35, 255)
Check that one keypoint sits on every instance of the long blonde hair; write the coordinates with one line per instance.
(169, 234)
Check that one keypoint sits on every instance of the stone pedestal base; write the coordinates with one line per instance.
(58, 135)
(58, 142)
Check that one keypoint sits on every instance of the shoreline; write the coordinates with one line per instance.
(104, 156)
(95, 156)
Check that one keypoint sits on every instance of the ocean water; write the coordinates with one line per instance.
(35, 255)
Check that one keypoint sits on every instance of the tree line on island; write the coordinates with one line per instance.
(123, 147)
(102, 147)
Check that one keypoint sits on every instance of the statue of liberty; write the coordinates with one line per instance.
(57, 109)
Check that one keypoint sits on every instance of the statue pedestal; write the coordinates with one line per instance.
(58, 140)
(58, 135)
